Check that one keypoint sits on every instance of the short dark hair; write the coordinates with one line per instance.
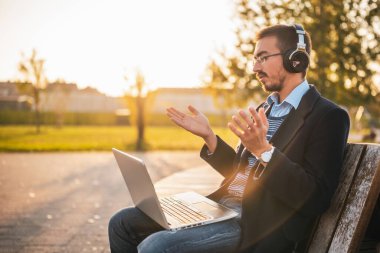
(286, 36)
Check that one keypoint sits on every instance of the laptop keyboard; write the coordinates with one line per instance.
(181, 211)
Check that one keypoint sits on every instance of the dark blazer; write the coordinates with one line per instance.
(281, 206)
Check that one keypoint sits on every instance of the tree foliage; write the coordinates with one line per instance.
(345, 36)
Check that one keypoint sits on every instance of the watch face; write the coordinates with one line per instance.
(266, 156)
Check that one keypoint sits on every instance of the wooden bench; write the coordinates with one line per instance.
(342, 227)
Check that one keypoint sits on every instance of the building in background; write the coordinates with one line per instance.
(180, 98)
(67, 97)
(59, 96)
(11, 99)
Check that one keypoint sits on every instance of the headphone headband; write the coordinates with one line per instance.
(296, 60)
(301, 36)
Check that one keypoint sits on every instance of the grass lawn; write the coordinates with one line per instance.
(79, 138)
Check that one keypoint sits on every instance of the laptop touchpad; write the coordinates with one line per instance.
(209, 209)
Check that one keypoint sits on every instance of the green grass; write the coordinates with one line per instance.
(86, 138)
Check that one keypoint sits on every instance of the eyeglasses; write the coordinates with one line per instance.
(262, 59)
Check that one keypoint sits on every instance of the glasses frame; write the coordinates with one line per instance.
(262, 59)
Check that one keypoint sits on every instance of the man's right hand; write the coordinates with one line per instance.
(196, 123)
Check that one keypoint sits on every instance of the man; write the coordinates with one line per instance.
(283, 173)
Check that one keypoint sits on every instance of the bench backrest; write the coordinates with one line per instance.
(342, 227)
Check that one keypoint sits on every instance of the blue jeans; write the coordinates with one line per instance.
(130, 230)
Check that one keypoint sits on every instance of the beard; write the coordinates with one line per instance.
(273, 86)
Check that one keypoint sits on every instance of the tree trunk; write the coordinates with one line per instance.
(37, 109)
(140, 123)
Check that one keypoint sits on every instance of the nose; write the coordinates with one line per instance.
(256, 67)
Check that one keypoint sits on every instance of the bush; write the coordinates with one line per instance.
(8, 117)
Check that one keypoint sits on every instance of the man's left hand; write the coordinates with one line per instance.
(252, 131)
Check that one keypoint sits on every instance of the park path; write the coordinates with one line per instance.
(61, 202)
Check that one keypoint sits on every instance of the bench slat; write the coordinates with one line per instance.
(328, 222)
(360, 203)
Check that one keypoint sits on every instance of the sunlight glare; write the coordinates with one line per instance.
(94, 43)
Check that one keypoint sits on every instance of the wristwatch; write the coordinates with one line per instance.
(266, 156)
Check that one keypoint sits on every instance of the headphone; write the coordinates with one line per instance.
(297, 60)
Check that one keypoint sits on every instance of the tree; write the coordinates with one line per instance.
(32, 68)
(345, 35)
(138, 96)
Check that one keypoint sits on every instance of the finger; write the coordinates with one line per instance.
(176, 112)
(169, 112)
(263, 117)
(193, 110)
(177, 121)
(173, 116)
(255, 117)
(234, 129)
(247, 119)
(239, 123)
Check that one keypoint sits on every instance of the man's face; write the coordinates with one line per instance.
(270, 72)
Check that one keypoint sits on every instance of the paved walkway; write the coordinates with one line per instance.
(61, 202)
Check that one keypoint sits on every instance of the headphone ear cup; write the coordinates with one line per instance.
(286, 60)
(299, 61)
(295, 61)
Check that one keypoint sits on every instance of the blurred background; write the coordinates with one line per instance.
(107, 70)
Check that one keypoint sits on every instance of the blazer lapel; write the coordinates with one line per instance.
(295, 120)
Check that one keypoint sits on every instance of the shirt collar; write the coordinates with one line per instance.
(294, 98)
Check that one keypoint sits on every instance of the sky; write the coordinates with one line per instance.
(97, 42)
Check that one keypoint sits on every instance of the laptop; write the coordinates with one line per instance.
(175, 212)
